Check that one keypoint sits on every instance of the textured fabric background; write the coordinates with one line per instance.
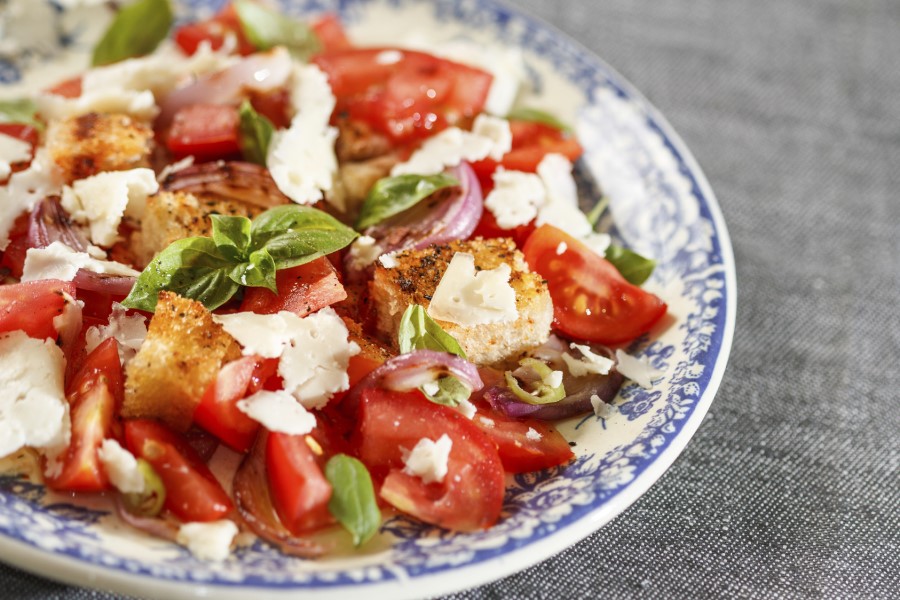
(791, 487)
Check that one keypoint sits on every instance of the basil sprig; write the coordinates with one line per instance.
(255, 134)
(418, 331)
(636, 269)
(136, 30)
(20, 111)
(266, 28)
(353, 497)
(239, 253)
(392, 195)
(535, 115)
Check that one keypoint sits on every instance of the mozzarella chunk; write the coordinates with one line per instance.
(278, 411)
(12, 150)
(58, 261)
(208, 541)
(311, 96)
(466, 408)
(129, 330)
(428, 459)
(516, 197)
(314, 350)
(589, 363)
(33, 407)
(533, 434)
(25, 189)
(602, 409)
(103, 199)
(490, 137)
(636, 369)
(363, 252)
(468, 298)
(121, 467)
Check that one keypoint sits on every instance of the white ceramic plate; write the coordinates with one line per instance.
(660, 205)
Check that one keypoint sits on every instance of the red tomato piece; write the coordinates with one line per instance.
(23, 132)
(94, 395)
(206, 131)
(32, 306)
(214, 30)
(591, 299)
(192, 492)
(303, 289)
(69, 88)
(523, 444)
(13, 258)
(218, 413)
(331, 34)
(274, 105)
(300, 491)
(471, 494)
(487, 228)
(404, 94)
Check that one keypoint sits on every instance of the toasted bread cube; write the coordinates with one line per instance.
(417, 274)
(92, 143)
(170, 216)
(180, 358)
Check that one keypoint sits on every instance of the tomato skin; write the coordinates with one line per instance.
(31, 306)
(406, 99)
(518, 452)
(591, 299)
(205, 131)
(192, 492)
(68, 88)
(13, 258)
(214, 30)
(300, 491)
(218, 413)
(471, 494)
(94, 395)
(303, 289)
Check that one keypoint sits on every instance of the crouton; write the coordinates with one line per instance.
(89, 144)
(180, 358)
(170, 216)
(417, 274)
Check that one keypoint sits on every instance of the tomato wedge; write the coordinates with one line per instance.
(205, 131)
(32, 306)
(214, 30)
(300, 491)
(404, 94)
(218, 413)
(192, 492)
(95, 392)
(331, 33)
(471, 494)
(591, 299)
(523, 444)
(302, 290)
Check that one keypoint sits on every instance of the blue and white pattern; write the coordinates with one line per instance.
(659, 205)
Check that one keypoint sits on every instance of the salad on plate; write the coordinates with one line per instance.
(362, 271)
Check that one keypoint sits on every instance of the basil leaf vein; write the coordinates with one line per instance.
(392, 195)
(136, 30)
(266, 28)
(636, 269)
(255, 132)
(353, 497)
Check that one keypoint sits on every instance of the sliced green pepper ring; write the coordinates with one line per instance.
(544, 391)
(148, 503)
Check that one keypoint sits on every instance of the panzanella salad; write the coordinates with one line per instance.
(362, 270)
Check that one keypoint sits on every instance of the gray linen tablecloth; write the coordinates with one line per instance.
(790, 488)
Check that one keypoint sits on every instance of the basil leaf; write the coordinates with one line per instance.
(231, 233)
(353, 497)
(258, 271)
(535, 115)
(418, 331)
(597, 211)
(634, 268)
(266, 28)
(451, 391)
(191, 267)
(294, 235)
(20, 111)
(393, 195)
(136, 30)
(255, 134)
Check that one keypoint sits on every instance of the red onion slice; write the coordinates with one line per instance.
(155, 526)
(114, 285)
(576, 403)
(49, 222)
(234, 180)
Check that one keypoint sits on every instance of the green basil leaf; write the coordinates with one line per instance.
(418, 331)
(353, 497)
(535, 115)
(20, 111)
(231, 233)
(294, 234)
(255, 134)
(266, 28)
(634, 268)
(392, 195)
(593, 216)
(258, 271)
(136, 30)
(191, 267)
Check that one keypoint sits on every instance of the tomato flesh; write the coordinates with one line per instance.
(13, 258)
(300, 491)
(94, 395)
(591, 299)
(205, 131)
(302, 290)
(214, 31)
(523, 444)
(192, 492)
(31, 306)
(471, 494)
(331, 34)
